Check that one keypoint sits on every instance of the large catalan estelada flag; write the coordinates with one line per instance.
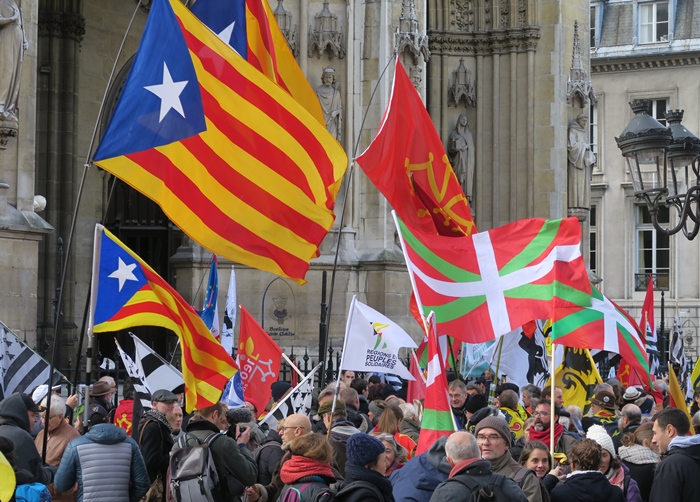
(250, 28)
(126, 292)
(232, 159)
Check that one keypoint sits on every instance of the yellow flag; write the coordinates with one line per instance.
(577, 377)
(677, 396)
(695, 375)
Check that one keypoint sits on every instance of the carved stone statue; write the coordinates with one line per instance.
(580, 161)
(12, 46)
(461, 152)
(331, 104)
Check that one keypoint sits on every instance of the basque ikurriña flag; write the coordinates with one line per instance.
(232, 159)
(487, 284)
(126, 292)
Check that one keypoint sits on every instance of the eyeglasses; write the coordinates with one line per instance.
(43, 416)
(541, 414)
(285, 427)
(492, 438)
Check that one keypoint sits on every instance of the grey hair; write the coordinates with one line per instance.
(58, 405)
(409, 411)
(461, 446)
(632, 412)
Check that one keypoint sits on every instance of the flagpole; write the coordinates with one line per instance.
(306, 378)
(292, 365)
(342, 360)
(492, 390)
(552, 404)
(415, 360)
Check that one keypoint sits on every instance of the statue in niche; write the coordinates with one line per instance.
(331, 104)
(461, 153)
(580, 161)
(13, 43)
(416, 76)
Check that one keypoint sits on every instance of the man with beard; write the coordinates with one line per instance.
(563, 440)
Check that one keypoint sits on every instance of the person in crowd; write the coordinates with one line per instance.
(646, 403)
(395, 453)
(326, 395)
(361, 386)
(374, 392)
(268, 456)
(175, 420)
(341, 430)
(575, 417)
(105, 463)
(458, 399)
(610, 465)
(410, 425)
(531, 395)
(418, 478)
(563, 440)
(18, 414)
(124, 413)
(390, 423)
(696, 422)
(102, 394)
(508, 404)
(603, 412)
(470, 473)
(352, 407)
(586, 483)
(376, 408)
(234, 463)
(518, 446)
(280, 390)
(60, 434)
(474, 405)
(245, 420)
(366, 462)
(155, 436)
(640, 459)
(677, 476)
(629, 421)
(307, 470)
(558, 396)
(536, 457)
(695, 407)
(347, 376)
(22, 476)
(494, 439)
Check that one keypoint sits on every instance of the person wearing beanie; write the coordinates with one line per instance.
(610, 465)
(366, 463)
(341, 429)
(494, 439)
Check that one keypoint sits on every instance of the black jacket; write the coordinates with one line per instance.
(587, 487)
(617, 440)
(155, 443)
(456, 488)
(643, 474)
(678, 475)
(379, 491)
(268, 457)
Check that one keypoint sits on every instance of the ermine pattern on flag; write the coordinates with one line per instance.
(156, 371)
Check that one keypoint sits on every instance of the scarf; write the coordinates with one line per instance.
(638, 454)
(297, 467)
(544, 435)
(617, 478)
(158, 416)
(357, 472)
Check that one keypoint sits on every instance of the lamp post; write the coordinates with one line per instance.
(664, 163)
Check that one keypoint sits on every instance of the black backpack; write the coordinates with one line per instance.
(331, 495)
(487, 490)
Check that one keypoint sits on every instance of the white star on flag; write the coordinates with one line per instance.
(169, 93)
(225, 34)
(124, 273)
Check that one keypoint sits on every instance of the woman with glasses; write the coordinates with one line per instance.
(395, 453)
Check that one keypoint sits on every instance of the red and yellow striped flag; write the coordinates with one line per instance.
(126, 292)
(232, 159)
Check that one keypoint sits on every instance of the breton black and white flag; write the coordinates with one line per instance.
(298, 401)
(141, 392)
(157, 372)
(21, 369)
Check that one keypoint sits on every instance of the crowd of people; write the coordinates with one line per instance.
(359, 444)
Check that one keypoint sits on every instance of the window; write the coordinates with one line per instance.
(593, 129)
(593, 239)
(592, 25)
(653, 248)
(658, 109)
(653, 22)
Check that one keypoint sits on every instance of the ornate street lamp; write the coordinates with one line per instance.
(663, 163)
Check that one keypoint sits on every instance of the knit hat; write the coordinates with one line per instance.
(376, 410)
(363, 449)
(327, 406)
(475, 403)
(496, 423)
(598, 434)
(278, 389)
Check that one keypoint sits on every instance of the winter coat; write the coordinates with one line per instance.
(530, 484)
(106, 464)
(617, 439)
(411, 428)
(586, 486)
(14, 425)
(310, 477)
(641, 462)
(56, 446)
(479, 471)
(268, 457)
(363, 493)
(677, 477)
(232, 461)
(155, 443)
(418, 478)
(341, 431)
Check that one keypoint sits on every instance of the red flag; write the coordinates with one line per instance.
(258, 359)
(407, 163)
(416, 388)
(437, 418)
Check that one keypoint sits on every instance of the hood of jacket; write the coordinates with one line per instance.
(590, 485)
(436, 456)
(106, 434)
(13, 411)
(686, 445)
